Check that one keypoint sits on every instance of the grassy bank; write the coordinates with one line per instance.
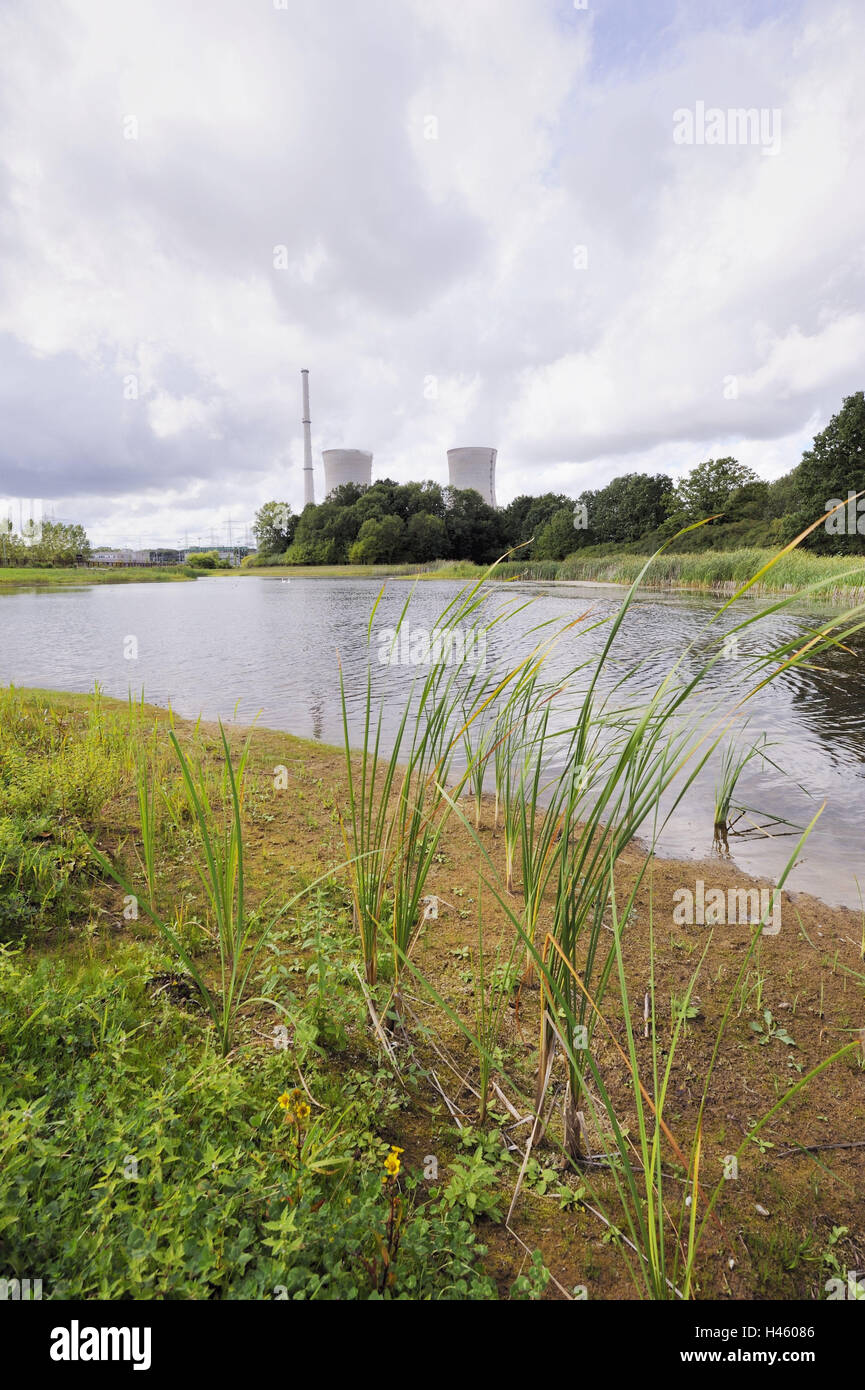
(24, 575)
(711, 571)
(350, 1141)
(437, 569)
(171, 1170)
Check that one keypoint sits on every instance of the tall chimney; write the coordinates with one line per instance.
(308, 480)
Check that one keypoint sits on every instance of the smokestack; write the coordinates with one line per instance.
(308, 479)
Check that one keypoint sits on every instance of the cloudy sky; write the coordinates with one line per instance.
(470, 220)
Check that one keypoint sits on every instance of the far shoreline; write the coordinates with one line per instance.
(718, 574)
(62, 577)
(834, 582)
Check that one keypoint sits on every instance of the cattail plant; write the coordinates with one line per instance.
(239, 934)
(396, 809)
(734, 760)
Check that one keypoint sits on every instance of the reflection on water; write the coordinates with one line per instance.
(245, 647)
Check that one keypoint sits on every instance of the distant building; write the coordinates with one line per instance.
(234, 554)
(105, 556)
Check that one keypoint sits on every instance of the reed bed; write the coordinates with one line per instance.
(573, 793)
(836, 579)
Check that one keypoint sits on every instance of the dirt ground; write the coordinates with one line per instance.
(775, 1233)
(792, 1215)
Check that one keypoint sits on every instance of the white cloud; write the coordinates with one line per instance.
(411, 258)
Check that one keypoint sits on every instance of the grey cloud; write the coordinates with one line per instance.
(454, 259)
(68, 430)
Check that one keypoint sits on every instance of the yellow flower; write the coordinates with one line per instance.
(302, 1110)
(391, 1165)
(395, 1150)
(284, 1101)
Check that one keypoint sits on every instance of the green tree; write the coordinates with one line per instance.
(347, 494)
(525, 517)
(781, 497)
(55, 543)
(326, 532)
(379, 542)
(708, 488)
(426, 538)
(628, 507)
(582, 516)
(274, 527)
(406, 500)
(748, 503)
(474, 528)
(555, 540)
(830, 470)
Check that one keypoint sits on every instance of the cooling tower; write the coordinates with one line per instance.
(346, 466)
(474, 468)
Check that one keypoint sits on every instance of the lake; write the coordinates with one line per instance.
(266, 648)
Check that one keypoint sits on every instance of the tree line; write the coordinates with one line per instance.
(393, 523)
(415, 523)
(46, 543)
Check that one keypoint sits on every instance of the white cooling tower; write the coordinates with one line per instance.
(346, 466)
(474, 468)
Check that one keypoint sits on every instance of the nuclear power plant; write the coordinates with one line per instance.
(468, 467)
(476, 468)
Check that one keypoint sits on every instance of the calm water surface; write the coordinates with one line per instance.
(241, 648)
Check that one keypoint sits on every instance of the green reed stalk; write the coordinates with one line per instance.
(239, 936)
(637, 758)
(665, 1232)
(733, 763)
(491, 993)
(477, 757)
(396, 813)
(655, 748)
(146, 783)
